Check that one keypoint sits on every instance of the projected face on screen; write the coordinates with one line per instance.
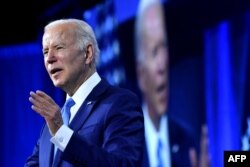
(153, 58)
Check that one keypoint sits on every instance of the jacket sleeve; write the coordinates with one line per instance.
(33, 159)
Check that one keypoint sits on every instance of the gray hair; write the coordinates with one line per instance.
(138, 36)
(84, 34)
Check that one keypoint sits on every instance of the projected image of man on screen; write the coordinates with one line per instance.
(168, 143)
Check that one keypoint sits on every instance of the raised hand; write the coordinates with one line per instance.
(203, 159)
(44, 105)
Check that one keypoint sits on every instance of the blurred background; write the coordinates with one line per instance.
(209, 65)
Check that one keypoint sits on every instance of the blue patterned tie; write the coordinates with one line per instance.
(66, 110)
(159, 156)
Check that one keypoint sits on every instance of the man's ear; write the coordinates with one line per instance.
(140, 76)
(89, 54)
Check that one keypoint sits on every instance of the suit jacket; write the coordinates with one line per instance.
(180, 140)
(108, 131)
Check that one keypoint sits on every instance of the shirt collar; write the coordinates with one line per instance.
(85, 89)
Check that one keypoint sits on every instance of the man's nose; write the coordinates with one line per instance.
(51, 58)
(161, 62)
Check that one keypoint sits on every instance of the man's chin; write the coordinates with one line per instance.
(57, 84)
(162, 110)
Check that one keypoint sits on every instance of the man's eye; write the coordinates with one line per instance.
(59, 47)
(45, 53)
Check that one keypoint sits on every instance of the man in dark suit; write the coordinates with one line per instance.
(167, 141)
(105, 124)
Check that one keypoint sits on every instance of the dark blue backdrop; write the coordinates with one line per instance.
(226, 57)
(219, 76)
(21, 71)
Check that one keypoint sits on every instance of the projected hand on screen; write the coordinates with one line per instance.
(203, 159)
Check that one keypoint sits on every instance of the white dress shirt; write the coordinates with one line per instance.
(152, 136)
(63, 135)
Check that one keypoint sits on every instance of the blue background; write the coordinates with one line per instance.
(209, 65)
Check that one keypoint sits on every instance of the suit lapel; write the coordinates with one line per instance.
(86, 108)
(82, 115)
(56, 158)
(145, 162)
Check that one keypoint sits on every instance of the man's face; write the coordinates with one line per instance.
(64, 62)
(153, 74)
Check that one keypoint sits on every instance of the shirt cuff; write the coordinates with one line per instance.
(62, 137)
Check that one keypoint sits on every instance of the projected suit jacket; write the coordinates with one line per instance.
(108, 131)
(181, 140)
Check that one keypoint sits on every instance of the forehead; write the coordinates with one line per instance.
(153, 26)
(153, 21)
(58, 33)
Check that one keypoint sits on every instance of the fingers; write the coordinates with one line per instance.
(204, 139)
(201, 160)
(193, 157)
(204, 157)
(38, 103)
(43, 104)
(44, 96)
